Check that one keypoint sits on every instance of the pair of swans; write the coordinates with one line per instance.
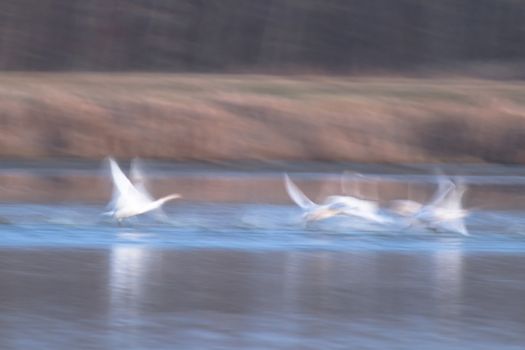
(130, 197)
(443, 212)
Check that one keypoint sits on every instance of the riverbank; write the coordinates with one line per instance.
(249, 117)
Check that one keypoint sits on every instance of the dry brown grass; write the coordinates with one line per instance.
(223, 117)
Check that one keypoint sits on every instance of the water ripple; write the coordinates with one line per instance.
(248, 226)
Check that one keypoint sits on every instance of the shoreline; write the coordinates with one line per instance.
(494, 187)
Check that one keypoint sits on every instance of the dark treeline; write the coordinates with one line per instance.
(221, 35)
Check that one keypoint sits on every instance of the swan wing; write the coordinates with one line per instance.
(138, 179)
(124, 193)
(297, 195)
(454, 200)
(445, 186)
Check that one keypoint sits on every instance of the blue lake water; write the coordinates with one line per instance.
(251, 276)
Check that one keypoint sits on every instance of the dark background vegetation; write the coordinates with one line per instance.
(371, 80)
(272, 35)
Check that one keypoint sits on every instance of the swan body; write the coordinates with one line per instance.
(356, 204)
(131, 200)
(404, 207)
(356, 207)
(331, 206)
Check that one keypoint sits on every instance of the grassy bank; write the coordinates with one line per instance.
(246, 117)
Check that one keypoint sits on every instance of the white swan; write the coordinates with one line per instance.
(446, 211)
(356, 204)
(408, 208)
(312, 211)
(331, 206)
(129, 200)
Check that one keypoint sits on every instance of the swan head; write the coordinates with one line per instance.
(169, 198)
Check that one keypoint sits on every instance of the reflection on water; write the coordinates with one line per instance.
(127, 280)
(449, 279)
(138, 297)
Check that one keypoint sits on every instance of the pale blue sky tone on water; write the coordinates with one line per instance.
(137, 297)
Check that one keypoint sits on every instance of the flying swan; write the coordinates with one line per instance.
(130, 199)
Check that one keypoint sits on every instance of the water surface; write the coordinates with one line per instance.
(251, 276)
